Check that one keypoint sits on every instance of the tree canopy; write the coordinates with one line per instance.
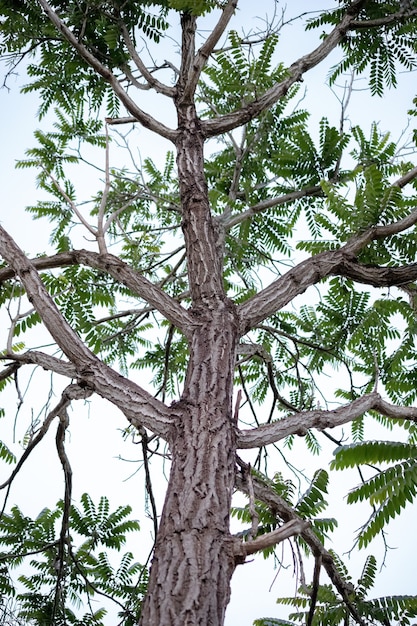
(252, 286)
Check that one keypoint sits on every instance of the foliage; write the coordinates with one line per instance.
(394, 44)
(26, 30)
(89, 569)
(331, 609)
(308, 506)
(390, 489)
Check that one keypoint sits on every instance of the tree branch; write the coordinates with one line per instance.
(207, 48)
(331, 263)
(300, 423)
(121, 272)
(64, 533)
(47, 362)
(383, 21)
(138, 406)
(377, 276)
(253, 109)
(270, 203)
(72, 392)
(144, 118)
(281, 508)
(281, 291)
(287, 530)
(147, 75)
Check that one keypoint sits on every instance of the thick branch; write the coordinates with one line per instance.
(289, 529)
(377, 276)
(253, 109)
(137, 404)
(300, 423)
(144, 118)
(46, 361)
(286, 287)
(121, 272)
(339, 262)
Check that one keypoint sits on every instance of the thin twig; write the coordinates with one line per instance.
(252, 508)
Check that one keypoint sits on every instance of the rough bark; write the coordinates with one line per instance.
(300, 423)
(194, 553)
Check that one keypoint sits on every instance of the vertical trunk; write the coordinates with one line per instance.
(193, 559)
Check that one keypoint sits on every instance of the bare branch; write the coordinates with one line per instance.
(147, 75)
(47, 362)
(252, 508)
(101, 211)
(72, 392)
(287, 530)
(270, 203)
(315, 590)
(331, 263)
(295, 72)
(144, 118)
(9, 370)
(122, 272)
(300, 423)
(377, 276)
(114, 121)
(70, 203)
(399, 16)
(64, 533)
(408, 177)
(281, 291)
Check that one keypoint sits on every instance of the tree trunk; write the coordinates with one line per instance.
(194, 558)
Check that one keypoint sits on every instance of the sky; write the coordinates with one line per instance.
(93, 446)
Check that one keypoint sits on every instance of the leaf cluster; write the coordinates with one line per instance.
(390, 489)
(379, 50)
(58, 72)
(89, 568)
(331, 610)
(309, 506)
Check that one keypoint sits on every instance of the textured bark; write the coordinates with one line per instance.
(300, 423)
(284, 511)
(194, 553)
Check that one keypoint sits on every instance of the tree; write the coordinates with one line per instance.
(194, 243)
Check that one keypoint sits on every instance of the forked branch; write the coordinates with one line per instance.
(139, 406)
(121, 272)
(229, 121)
(139, 115)
(70, 393)
(339, 262)
(207, 48)
(285, 512)
(287, 530)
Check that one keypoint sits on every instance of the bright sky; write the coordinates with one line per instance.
(94, 448)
